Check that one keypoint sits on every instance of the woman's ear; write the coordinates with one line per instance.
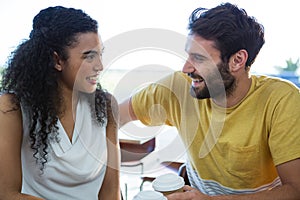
(238, 60)
(58, 62)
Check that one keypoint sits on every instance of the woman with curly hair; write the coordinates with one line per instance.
(58, 136)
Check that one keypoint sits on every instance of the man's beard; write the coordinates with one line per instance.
(216, 85)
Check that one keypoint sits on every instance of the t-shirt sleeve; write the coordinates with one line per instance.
(159, 103)
(284, 138)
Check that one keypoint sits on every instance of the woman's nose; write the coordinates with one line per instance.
(98, 66)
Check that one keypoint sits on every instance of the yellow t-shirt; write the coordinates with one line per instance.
(237, 147)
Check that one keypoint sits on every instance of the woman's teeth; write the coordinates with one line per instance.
(92, 78)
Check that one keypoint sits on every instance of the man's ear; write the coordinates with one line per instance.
(238, 60)
(58, 62)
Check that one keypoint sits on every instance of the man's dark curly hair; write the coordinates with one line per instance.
(230, 28)
(31, 76)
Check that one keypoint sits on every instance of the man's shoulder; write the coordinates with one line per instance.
(278, 84)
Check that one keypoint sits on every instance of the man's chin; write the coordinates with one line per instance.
(199, 94)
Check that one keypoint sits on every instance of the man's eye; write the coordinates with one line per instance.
(198, 58)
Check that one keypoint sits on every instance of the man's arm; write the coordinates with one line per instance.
(126, 112)
(289, 174)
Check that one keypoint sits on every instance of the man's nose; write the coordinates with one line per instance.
(188, 67)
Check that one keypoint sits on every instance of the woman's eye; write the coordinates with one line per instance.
(90, 57)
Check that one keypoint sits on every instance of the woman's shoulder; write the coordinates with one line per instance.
(8, 103)
(112, 107)
(111, 102)
(110, 97)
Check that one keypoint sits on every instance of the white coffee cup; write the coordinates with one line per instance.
(168, 183)
(149, 195)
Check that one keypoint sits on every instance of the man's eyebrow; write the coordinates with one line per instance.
(200, 56)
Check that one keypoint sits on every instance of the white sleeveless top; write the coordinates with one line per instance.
(75, 170)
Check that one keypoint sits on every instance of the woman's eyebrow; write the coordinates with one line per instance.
(90, 52)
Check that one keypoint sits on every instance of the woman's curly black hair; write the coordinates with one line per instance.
(31, 76)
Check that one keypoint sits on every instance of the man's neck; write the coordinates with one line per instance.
(242, 87)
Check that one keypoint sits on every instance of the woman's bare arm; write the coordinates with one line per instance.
(111, 184)
(10, 150)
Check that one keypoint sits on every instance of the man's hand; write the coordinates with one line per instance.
(189, 193)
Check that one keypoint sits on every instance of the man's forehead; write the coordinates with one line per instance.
(197, 44)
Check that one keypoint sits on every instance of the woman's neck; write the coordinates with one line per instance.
(70, 100)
